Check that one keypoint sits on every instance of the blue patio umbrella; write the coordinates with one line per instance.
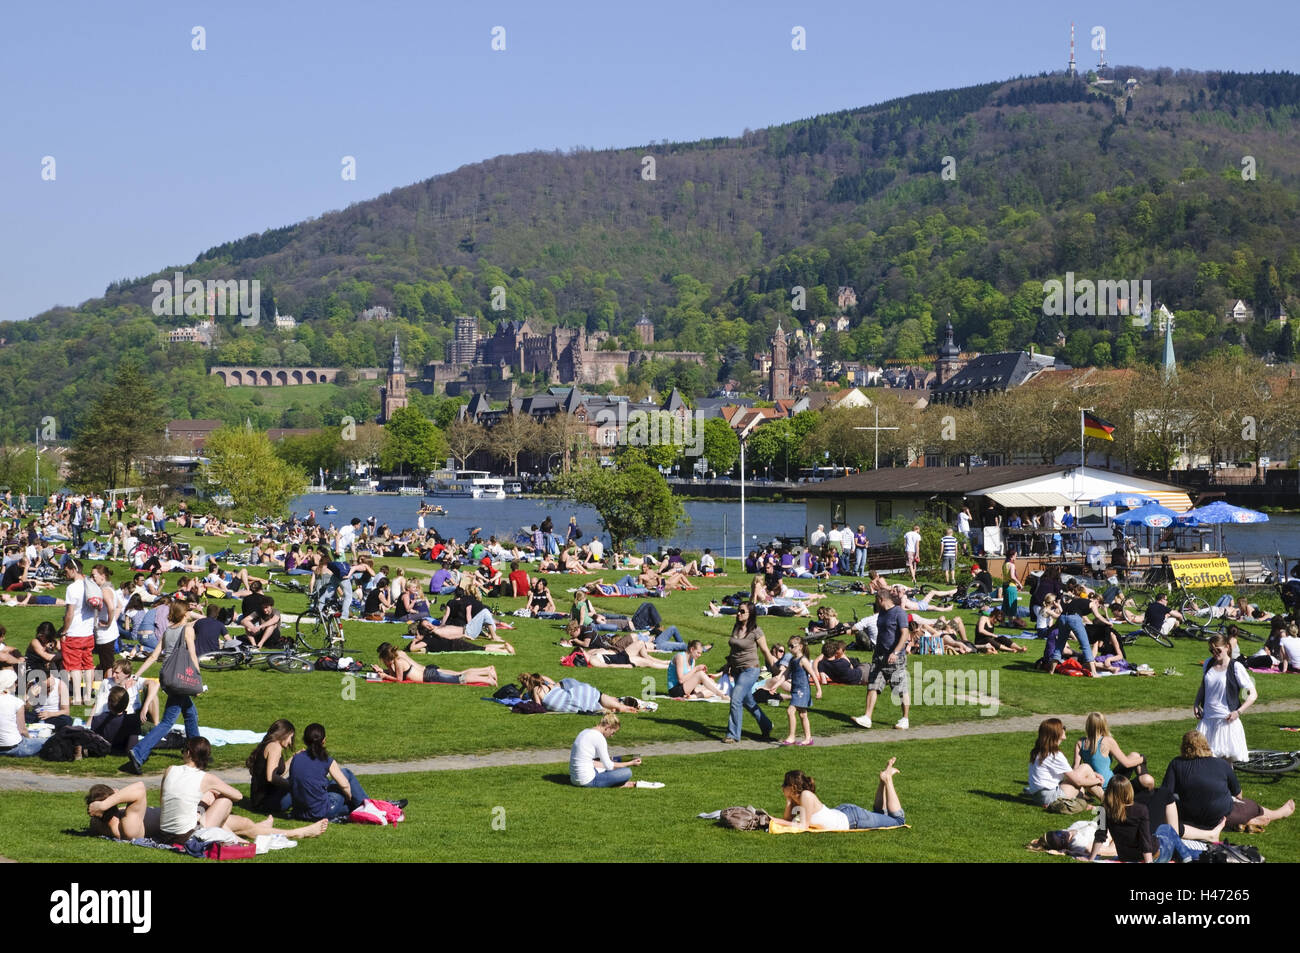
(1153, 515)
(1129, 500)
(1221, 512)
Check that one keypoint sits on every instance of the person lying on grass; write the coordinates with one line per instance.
(569, 695)
(124, 814)
(590, 765)
(805, 811)
(635, 654)
(427, 639)
(398, 667)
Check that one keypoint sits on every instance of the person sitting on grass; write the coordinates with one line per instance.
(429, 639)
(1098, 746)
(1160, 618)
(689, 679)
(985, 633)
(590, 765)
(569, 695)
(835, 667)
(464, 615)
(1128, 826)
(1208, 793)
(398, 667)
(262, 624)
(321, 788)
(1051, 778)
(193, 798)
(805, 811)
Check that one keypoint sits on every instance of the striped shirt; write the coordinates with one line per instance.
(949, 544)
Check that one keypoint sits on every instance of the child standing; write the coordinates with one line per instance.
(800, 671)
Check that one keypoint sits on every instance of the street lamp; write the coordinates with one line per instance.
(744, 435)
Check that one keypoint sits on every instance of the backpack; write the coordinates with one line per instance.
(1226, 853)
(508, 691)
(744, 818)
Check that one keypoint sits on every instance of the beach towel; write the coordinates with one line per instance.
(779, 826)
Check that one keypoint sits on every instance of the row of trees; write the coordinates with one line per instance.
(1222, 409)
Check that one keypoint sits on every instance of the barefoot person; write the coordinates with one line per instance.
(688, 679)
(805, 811)
(398, 667)
(590, 765)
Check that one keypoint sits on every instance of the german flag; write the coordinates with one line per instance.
(1096, 427)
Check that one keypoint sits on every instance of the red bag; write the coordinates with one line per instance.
(230, 851)
(1071, 666)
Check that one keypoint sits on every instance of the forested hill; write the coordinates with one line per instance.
(1046, 175)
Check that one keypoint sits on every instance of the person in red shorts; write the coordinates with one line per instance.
(78, 633)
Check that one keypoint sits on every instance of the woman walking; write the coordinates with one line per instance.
(179, 637)
(747, 639)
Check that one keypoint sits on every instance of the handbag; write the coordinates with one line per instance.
(178, 675)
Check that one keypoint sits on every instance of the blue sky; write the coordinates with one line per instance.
(161, 151)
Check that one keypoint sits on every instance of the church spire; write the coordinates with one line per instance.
(395, 363)
(1169, 370)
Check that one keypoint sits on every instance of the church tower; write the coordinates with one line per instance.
(394, 391)
(949, 362)
(779, 377)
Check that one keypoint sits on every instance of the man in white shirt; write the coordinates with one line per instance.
(707, 563)
(1290, 650)
(347, 538)
(78, 631)
(597, 549)
(963, 528)
(818, 539)
(912, 547)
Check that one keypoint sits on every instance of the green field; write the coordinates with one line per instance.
(961, 793)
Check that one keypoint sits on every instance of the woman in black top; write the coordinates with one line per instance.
(268, 789)
(1209, 794)
(1126, 823)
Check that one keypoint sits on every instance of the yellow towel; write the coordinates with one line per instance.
(779, 826)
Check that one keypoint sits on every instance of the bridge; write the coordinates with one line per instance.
(253, 376)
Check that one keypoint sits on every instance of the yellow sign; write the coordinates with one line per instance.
(1202, 573)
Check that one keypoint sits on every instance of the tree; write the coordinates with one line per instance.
(721, 446)
(244, 464)
(632, 500)
(412, 441)
(566, 437)
(514, 433)
(125, 421)
(312, 452)
(465, 438)
(367, 443)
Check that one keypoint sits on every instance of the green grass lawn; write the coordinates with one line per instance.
(375, 722)
(960, 795)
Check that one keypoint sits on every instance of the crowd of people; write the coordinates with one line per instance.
(106, 609)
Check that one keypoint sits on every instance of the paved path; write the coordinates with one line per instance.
(16, 779)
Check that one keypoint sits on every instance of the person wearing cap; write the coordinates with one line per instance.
(14, 739)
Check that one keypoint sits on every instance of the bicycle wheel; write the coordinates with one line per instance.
(1269, 762)
(291, 663)
(1250, 635)
(312, 631)
(222, 660)
(1159, 639)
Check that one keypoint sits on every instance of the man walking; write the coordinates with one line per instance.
(912, 548)
(889, 661)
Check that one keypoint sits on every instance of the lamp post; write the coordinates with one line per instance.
(744, 436)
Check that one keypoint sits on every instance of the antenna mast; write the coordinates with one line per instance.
(1071, 68)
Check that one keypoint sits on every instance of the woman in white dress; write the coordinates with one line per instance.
(1226, 692)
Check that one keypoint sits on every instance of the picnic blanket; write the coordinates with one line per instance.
(217, 737)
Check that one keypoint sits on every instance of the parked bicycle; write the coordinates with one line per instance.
(1269, 763)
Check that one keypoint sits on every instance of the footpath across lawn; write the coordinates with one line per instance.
(961, 797)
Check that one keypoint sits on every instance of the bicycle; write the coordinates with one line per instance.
(244, 656)
(1204, 631)
(1269, 763)
(1130, 638)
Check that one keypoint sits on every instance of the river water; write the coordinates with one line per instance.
(711, 524)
